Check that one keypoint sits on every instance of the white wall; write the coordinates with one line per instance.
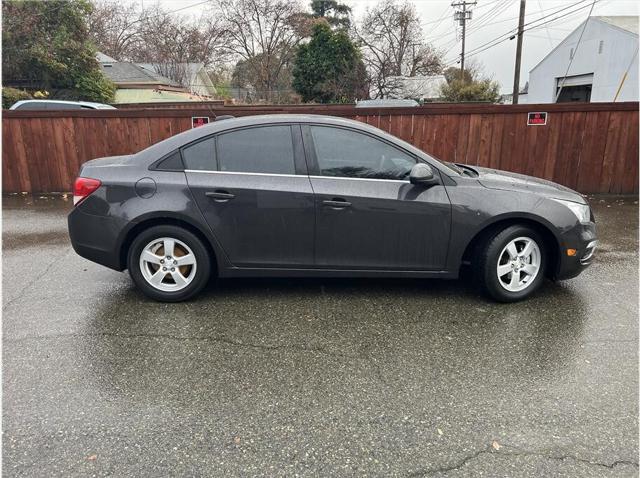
(607, 67)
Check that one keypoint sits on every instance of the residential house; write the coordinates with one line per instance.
(143, 82)
(192, 76)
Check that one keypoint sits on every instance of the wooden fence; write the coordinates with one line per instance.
(163, 105)
(589, 147)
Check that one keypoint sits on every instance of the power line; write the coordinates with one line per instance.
(513, 30)
(571, 57)
(547, 28)
(624, 76)
(509, 35)
(485, 17)
(449, 45)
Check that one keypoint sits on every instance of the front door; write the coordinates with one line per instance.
(246, 184)
(368, 214)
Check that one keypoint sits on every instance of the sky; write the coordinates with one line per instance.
(491, 21)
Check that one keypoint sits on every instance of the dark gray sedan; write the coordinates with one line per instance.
(298, 195)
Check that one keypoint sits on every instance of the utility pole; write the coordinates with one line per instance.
(516, 75)
(462, 16)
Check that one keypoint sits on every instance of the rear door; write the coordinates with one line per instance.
(252, 186)
(369, 216)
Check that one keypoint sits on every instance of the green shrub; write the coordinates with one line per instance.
(11, 95)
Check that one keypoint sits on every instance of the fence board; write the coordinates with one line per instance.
(591, 147)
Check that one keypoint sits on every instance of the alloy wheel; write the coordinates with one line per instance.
(519, 264)
(168, 264)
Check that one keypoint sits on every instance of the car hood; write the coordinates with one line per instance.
(494, 179)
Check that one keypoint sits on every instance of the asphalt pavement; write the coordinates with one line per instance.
(314, 377)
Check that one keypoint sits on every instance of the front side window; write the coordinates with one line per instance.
(348, 153)
(265, 149)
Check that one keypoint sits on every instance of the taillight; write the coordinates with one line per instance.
(83, 187)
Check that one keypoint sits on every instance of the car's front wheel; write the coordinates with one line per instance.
(169, 263)
(511, 264)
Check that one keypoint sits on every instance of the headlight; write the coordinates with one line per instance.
(581, 211)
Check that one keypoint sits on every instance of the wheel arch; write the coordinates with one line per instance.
(161, 219)
(552, 243)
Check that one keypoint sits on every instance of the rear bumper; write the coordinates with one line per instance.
(583, 239)
(95, 238)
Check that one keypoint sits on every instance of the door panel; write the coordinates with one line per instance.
(252, 187)
(388, 224)
(368, 214)
(268, 222)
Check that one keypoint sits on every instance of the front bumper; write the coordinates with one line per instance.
(582, 238)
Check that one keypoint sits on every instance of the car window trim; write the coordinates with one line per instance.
(245, 173)
(348, 178)
(299, 154)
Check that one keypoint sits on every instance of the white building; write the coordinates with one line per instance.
(602, 67)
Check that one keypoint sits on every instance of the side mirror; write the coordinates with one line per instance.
(422, 174)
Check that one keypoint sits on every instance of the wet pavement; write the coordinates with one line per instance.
(314, 377)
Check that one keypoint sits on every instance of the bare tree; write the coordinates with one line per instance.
(153, 35)
(114, 28)
(393, 45)
(263, 34)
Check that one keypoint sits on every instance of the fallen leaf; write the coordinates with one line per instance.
(92, 457)
(496, 445)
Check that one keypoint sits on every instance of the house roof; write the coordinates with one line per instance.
(628, 23)
(625, 22)
(124, 72)
(102, 58)
(191, 71)
(190, 68)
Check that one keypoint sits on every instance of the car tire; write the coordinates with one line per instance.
(169, 263)
(511, 264)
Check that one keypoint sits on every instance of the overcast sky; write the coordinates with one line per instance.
(491, 20)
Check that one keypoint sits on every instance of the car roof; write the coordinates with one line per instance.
(87, 104)
(171, 144)
(386, 103)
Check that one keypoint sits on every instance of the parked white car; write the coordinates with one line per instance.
(59, 105)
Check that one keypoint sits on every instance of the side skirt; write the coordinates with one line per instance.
(280, 272)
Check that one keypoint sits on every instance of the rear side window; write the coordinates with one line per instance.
(201, 155)
(32, 106)
(173, 162)
(63, 106)
(265, 149)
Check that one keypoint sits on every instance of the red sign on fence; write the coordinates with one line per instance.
(537, 118)
(199, 121)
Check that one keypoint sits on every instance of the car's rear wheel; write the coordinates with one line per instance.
(169, 263)
(512, 263)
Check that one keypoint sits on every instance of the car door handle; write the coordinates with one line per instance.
(220, 196)
(336, 203)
